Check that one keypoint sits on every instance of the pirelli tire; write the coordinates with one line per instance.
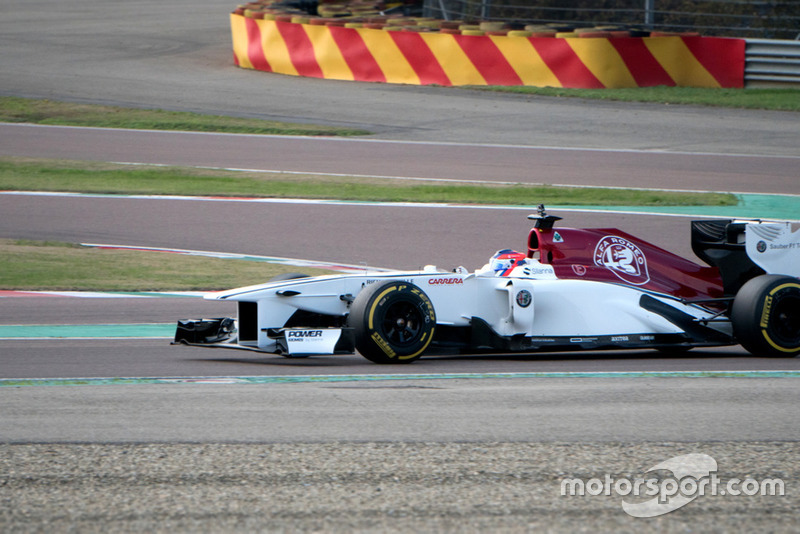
(393, 322)
(766, 316)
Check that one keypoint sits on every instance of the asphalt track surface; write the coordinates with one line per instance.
(432, 160)
(402, 237)
(177, 56)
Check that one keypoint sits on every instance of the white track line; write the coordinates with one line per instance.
(323, 139)
(446, 180)
(295, 262)
(355, 203)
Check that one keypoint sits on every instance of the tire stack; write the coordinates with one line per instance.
(370, 14)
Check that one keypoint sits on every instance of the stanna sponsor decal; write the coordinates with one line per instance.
(623, 258)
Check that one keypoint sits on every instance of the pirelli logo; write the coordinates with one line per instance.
(383, 345)
(766, 311)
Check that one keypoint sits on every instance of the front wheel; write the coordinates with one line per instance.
(393, 322)
(766, 315)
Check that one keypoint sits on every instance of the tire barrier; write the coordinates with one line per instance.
(418, 54)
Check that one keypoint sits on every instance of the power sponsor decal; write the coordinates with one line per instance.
(303, 334)
(623, 258)
(311, 341)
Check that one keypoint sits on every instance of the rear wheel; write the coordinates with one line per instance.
(393, 322)
(766, 315)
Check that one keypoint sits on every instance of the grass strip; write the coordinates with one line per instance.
(14, 109)
(55, 266)
(767, 99)
(19, 174)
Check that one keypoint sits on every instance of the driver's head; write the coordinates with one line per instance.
(505, 260)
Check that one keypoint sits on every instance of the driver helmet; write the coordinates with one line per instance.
(505, 260)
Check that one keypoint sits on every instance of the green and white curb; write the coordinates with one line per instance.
(301, 379)
(5, 293)
(88, 331)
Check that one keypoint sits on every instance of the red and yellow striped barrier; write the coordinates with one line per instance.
(376, 55)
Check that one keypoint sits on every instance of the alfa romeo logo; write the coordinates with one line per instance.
(623, 258)
(524, 298)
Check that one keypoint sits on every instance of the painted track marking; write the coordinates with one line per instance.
(322, 139)
(297, 379)
(88, 331)
(295, 262)
(446, 180)
(780, 207)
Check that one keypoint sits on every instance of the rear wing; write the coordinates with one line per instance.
(742, 250)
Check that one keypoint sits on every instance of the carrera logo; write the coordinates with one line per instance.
(447, 281)
(303, 333)
(623, 258)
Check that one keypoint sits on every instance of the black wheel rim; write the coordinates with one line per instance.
(402, 324)
(785, 323)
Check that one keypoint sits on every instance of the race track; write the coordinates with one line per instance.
(398, 237)
(451, 445)
(520, 163)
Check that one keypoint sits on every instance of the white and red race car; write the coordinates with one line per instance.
(573, 289)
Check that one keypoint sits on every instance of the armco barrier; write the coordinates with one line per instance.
(772, 63)
(376, 55)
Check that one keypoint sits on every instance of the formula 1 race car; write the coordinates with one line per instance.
(573, 289)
